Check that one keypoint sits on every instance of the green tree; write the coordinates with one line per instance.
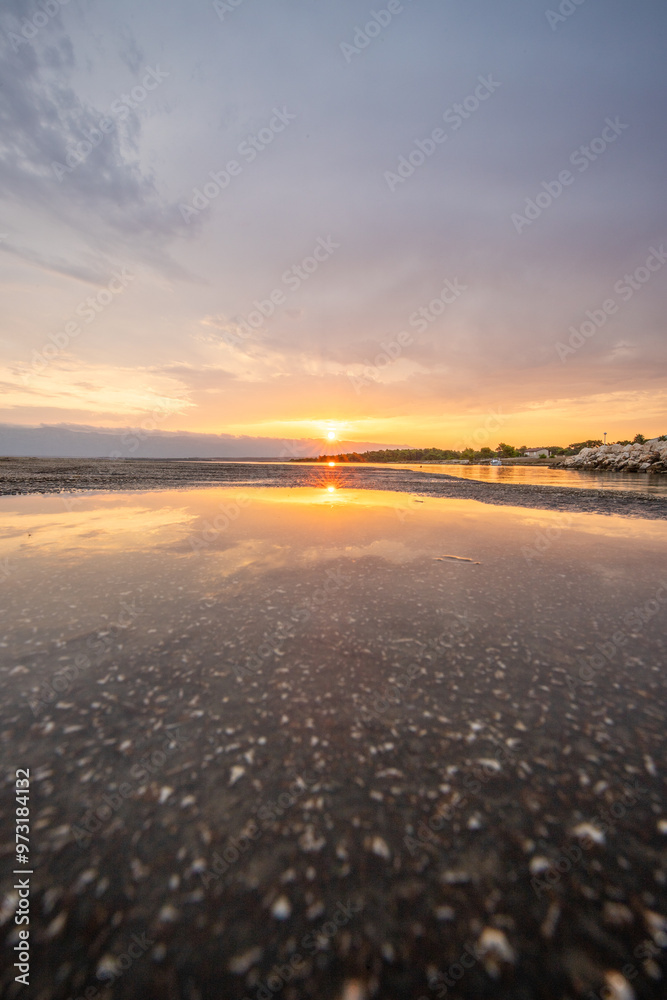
(639, 439)
(591, 443)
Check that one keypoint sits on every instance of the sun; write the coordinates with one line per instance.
(331, 435)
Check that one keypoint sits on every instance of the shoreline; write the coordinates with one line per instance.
(21, 477)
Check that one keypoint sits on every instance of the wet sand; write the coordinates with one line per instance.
(29, 475)
(327, 742)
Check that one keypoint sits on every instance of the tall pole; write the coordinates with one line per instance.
(605, 437)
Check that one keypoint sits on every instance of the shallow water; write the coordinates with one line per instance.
(543, 476)
(335, 727)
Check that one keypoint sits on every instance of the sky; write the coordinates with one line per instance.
(260, 228)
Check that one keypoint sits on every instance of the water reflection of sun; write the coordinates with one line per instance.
(329, 478)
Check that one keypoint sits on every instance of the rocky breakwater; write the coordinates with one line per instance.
(648, 457)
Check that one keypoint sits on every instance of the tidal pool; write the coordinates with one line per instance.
(540, 475)
(336, 743)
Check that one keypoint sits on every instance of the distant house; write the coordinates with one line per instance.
(538, 453)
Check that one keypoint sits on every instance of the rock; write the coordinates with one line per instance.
(650, 457)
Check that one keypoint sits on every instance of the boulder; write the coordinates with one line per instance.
(648, 457)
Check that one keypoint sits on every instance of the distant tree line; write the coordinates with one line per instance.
(502, 450)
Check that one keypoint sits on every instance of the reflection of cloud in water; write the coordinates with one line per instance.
(255, 554)
(261, 556)
(385, 548)
(611, 526)
(123, 528)
(295, 526)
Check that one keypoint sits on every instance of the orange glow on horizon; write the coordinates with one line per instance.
(554, 422)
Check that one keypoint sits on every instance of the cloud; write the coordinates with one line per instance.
(68, 384)
(81, 441)
(106, 197)
(89, 269)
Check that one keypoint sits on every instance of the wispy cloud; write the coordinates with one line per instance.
(112, 202)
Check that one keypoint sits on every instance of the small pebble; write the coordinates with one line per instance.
(282, 908)
(240, 964)
(381, 848)
(586, 831)
(495, 950)
(618, 987)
